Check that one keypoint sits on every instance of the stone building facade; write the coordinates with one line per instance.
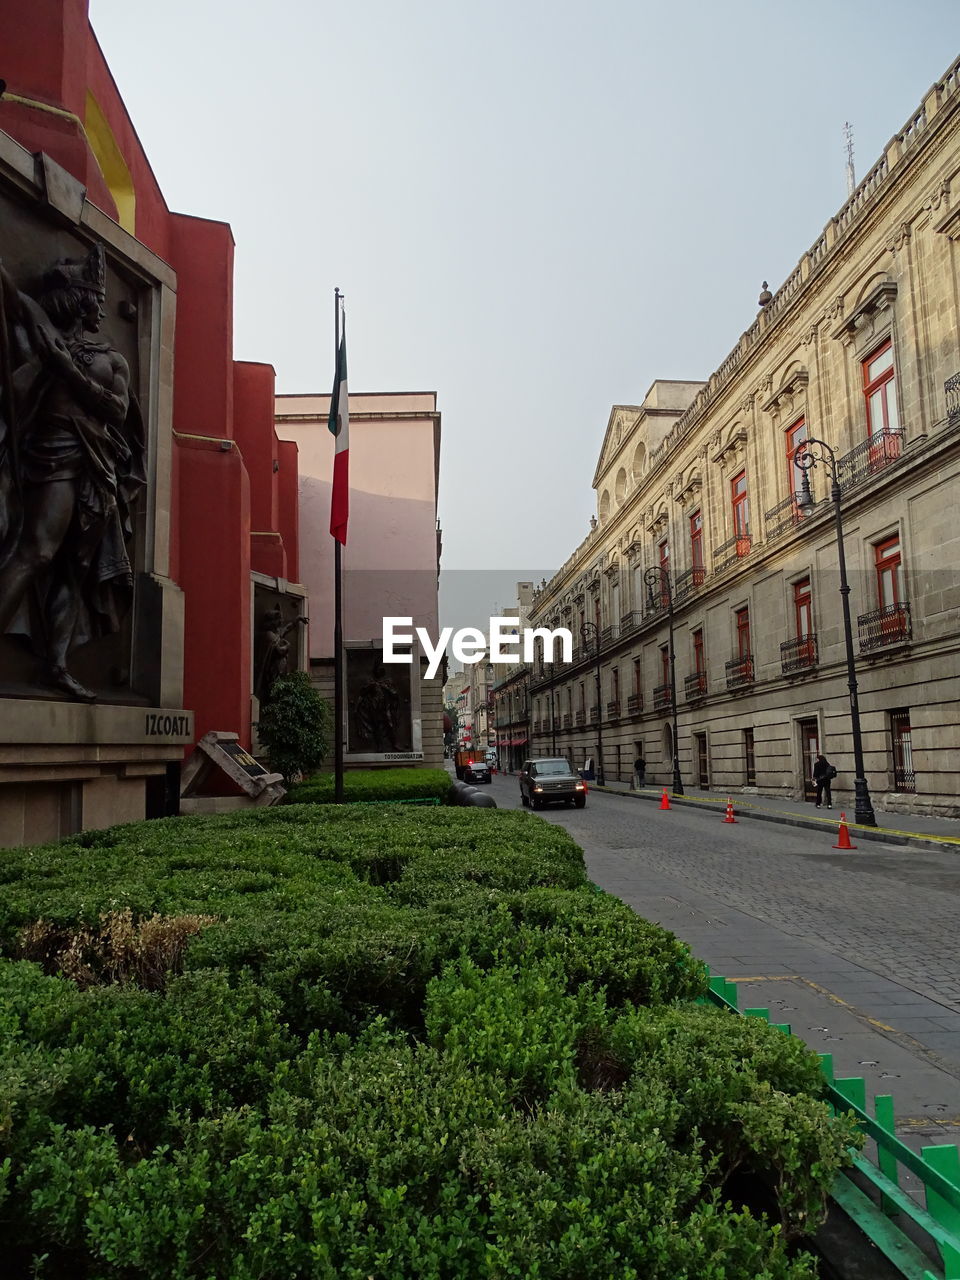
(860, 349)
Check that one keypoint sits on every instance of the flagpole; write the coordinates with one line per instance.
(337, 610)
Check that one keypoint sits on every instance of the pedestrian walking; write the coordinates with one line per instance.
(639, 772)
(823, 775)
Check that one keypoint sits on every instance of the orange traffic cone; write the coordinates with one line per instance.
(664, 800)
(843, 835)
(729, 816)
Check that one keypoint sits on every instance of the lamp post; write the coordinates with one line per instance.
(659, 577)
(804, 459)
(590, 634)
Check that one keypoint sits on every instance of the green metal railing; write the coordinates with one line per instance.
(937, 1167)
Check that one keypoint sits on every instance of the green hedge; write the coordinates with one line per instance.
(404, 1042)
(367, 785)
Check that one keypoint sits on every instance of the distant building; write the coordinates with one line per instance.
(391, 562)
(860, 348)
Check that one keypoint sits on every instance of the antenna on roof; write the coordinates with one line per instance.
(848, 139)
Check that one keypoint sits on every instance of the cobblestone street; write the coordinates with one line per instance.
(857, 951)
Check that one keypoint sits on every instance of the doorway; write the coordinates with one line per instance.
(703, 767)
(809, 750)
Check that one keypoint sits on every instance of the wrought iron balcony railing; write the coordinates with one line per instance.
(870, 456)
(594, 714)
(581, 718)
(884, 627)
(740, 671)
(734, 549)
(786, 516)
(799, 654)
(661, 697)
(567, 720)
(634, 703)
(607, 635)
(613, 710)
(695, 686)
(629, 622)
(688, 581)
(951, 390)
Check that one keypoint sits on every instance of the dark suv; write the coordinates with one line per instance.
(551, 781)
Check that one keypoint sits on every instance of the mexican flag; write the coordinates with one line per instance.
(339, 424)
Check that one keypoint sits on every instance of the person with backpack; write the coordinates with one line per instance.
(823, 775)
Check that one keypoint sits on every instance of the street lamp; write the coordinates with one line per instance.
(804, 460)
(590, 634)
(658, 576)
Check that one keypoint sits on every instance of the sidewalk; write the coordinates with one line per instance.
(892, 828)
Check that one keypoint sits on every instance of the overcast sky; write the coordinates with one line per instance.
(534, 208)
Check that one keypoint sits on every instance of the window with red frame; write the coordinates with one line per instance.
(699, 661)
(805, 644)
(796, 435)
(637, 677)
(741, 513)
(596, 611)
(665, 663)
(880, 395)
(887, 555)
(696, 547)
(742, 617)
(803, 608)
(880, 391)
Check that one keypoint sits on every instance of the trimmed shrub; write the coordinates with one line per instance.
(368, 785)
(405, 1041)
(294, 725)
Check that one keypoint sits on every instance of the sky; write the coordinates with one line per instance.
(534, 208)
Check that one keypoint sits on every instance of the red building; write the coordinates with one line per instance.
(221, 546)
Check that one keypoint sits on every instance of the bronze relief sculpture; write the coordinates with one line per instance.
(72, 463)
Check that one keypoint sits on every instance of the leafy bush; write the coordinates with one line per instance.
(294, 725)
(367, 785)
(405, 1041)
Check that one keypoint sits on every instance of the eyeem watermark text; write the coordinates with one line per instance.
(506, 644)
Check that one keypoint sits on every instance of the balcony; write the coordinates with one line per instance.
(629, 622)
(740, 671)
(581, 718)
(634, 704)
(686, 583)
(951, 391)
(567, 720)
(662, 700)
(786, 516)
(884, 627)
(594, 714)
(734, 549)
(799, 655)
(881, 450)
(608, 635)
(695, 686)
(613, 709)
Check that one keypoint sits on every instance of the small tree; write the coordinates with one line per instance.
(294, 725)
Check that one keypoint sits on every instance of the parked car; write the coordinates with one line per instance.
(477, 771)
(551, 781)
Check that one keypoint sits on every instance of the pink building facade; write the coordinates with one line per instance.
(390, 561)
